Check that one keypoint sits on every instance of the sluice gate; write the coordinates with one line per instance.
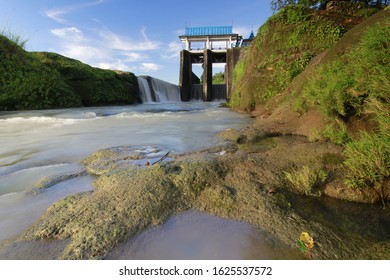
(208, 45)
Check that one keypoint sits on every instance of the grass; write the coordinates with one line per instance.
(282, 49)
(368, 162)
(306, 180)
(14, 37)
(335, 132)
(356, 86)
(31, 80)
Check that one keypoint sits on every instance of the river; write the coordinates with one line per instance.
(35, 145)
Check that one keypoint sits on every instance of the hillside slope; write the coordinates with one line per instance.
(48, 80)
(342, 96)
(282, 49)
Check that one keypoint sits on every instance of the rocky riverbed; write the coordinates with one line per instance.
(244, 180)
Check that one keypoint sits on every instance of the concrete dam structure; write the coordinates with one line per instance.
(208, 45)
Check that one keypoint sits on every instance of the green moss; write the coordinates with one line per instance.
(129, 199)
(259, 146)
(332, 159)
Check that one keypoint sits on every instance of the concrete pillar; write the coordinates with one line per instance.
(207, 75)
(185, 75)
(232, 57)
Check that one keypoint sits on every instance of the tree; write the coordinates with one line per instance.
(218, 78)
(276, 5)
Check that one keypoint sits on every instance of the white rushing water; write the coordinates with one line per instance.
(156, 90)
(38, 144)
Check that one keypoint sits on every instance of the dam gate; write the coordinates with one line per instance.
(207, 45)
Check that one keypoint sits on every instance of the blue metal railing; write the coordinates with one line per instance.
(209, 30)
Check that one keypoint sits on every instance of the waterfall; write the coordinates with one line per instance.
(144, 90)
(218, 92)
(196, 92)
(155, 90)
(165, 91)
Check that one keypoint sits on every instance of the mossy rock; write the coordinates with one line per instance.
(127, 200)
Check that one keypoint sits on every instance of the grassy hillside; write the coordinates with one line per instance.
(352, 92)
(339, 95)
(47, 80)
(282, 49)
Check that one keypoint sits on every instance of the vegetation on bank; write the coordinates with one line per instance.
(355, 98)
(282, 49)
(348, 84)
(47, 80)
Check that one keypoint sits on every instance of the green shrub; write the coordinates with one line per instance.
(306, 180)
(367, 161)
(300, 64)
(292, 14)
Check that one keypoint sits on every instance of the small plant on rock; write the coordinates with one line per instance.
(306, 180)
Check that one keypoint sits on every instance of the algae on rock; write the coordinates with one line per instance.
(128, 199)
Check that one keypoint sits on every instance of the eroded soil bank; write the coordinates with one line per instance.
(243, 181)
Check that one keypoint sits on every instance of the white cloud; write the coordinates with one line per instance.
(57, 14)
(244, 31)
(117, 65)
(118, 42)
(173, 50)
(150, 67)
(219, 65)
(85, 53)
(69, 34)
(179, 32)
(104, 48)
(134, 56)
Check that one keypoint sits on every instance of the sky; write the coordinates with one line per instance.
(139, 36)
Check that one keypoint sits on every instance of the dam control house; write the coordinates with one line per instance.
(208, 45)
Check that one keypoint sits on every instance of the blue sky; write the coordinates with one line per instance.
(129, 35)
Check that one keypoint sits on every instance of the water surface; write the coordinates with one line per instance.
(36, 145)
(197, 235)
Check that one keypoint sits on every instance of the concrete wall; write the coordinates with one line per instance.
(185, 81)
(207, 75)
(187, 77)
(232, 57)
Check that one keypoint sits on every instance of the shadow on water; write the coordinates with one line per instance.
(33, 250)
(197, 235)
(352, 219)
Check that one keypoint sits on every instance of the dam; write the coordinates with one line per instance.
(208, 45)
